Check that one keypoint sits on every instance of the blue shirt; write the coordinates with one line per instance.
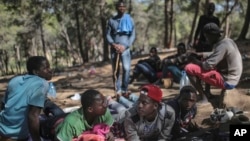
(22, 91)
(115, 36)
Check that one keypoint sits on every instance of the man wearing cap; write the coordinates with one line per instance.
(149, 119)
(120, 35)
(222, 68)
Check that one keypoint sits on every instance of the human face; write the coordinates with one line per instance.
(181, 50)
(187, 100)
(146, 108)
(100, 105)
(152, 52)
(44, 71)
(211, 8)
(121, 8)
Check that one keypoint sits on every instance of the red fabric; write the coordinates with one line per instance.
(159, 75)
(154, 92)
(99, 129)
(211, 77)
(89, 137)
(97, 133)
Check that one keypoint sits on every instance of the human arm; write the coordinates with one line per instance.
(65, 131)
(33, 122)
(216, 57)
(132, 36)
(130, 130)
(110, 136)
(109, 33)
(169, 121)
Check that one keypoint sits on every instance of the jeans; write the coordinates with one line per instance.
(51, 109)
(119, 108)
(146, 70)
(128, 102)
(125, 59)
(174, 70)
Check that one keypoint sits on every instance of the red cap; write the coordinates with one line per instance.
(152, 91)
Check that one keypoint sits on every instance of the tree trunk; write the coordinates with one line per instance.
(104, 25)
(42, 36)
(245, 27)
(130, 8)
(228, 12)
(171, 19)
(79, 32)
(166, 23)
(197, 8)
(226, 20)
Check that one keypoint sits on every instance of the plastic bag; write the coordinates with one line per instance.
(184, 80)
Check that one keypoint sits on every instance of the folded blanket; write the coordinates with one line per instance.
(125, 25)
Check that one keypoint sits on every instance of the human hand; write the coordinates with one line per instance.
(110, 136)
(196, 41)
(121, 48)
(192, 57)
(115, 46)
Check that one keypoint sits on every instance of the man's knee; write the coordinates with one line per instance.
(192, 69)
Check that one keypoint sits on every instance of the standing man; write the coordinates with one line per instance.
(200, 42)
(222, 69)
(121, 35)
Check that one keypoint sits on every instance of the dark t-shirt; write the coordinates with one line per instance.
(202, 45)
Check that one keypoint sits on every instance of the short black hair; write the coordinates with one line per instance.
(211, 5)
(34, 63)
(181, 45)
(119, 2)
(88, 98)
(187, 90)
(153, 49)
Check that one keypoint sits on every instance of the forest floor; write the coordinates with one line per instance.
(72, 80)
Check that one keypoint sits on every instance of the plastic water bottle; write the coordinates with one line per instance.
(52, 90)
(184, 80)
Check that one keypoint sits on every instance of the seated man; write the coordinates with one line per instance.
(185, 110)
(149, 119)
(223, 68)
(93, 111)
(24, 100)
(148, 67)
(175, 64)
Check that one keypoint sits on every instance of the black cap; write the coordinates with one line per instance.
(212, 28)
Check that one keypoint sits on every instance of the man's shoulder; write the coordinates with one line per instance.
(74, 116)
(166, 112)
(132, 114)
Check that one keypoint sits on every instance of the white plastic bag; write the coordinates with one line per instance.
(184, 80)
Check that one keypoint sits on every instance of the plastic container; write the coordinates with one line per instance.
(184, 80)
(52, 90)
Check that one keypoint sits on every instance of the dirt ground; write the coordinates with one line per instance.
(70, 81)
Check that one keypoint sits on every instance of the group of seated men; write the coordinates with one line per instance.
(148, 118)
